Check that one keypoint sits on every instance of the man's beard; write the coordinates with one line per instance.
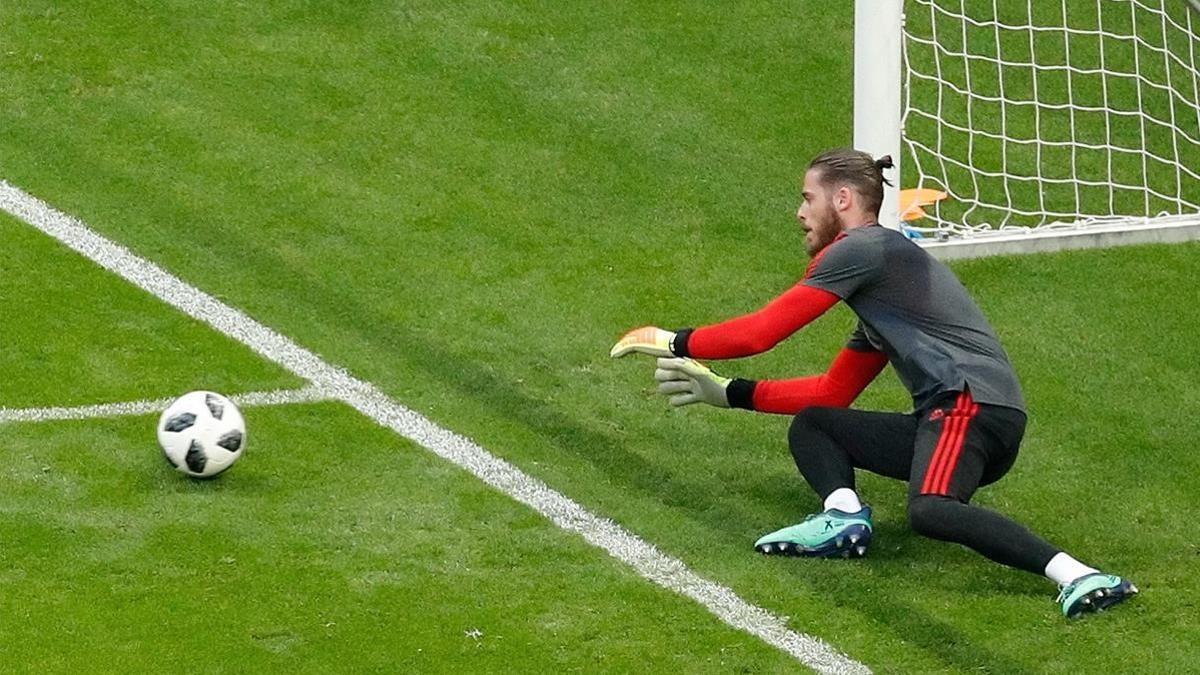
(825, 235)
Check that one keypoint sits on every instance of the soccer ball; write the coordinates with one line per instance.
(202, 433)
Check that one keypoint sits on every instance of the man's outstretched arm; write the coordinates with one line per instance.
(687, 381)
(838, 387)
(743, 336)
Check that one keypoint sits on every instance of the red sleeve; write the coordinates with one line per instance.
(756, 333)
(847, 376)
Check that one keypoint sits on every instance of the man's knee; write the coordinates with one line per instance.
(806, 424)
(932, 515)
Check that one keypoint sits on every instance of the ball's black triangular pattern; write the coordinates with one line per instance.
(231, 440)
(196, 459)
(180, 422)
(214, 406)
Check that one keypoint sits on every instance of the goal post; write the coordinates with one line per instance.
(1032, 125)
(877, 80)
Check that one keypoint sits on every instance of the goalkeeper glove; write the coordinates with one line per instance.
(646, 340)
(686, 382)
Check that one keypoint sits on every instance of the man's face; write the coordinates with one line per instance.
(817, 215)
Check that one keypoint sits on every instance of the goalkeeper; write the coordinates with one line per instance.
(969, 414)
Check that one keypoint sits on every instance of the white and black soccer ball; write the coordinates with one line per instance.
(202, 433)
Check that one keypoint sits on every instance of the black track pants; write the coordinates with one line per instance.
(945, 453)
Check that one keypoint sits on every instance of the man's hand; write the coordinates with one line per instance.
(646, 340)
(687, 382)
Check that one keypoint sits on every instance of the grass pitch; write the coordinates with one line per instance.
(333, 546)
(383, 559)
(466, 205)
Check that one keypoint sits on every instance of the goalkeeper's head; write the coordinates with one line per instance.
(843, 188)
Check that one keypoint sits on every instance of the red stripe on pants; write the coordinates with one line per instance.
(948, 448)
(942, 486)
(947, 425)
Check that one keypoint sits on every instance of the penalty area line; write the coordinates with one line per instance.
(309, 394)
(645, 559)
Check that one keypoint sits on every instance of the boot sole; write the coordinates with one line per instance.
(1101, 599)
(852, 542)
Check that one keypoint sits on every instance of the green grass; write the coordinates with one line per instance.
(312, 555)
(466, 205)
(74, 334)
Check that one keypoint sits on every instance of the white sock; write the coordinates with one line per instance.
(843, 499)
(1064, 569)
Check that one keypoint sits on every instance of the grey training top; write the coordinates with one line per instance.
(912, 308)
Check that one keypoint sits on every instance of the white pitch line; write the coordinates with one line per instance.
(363, 396)
(309, 394)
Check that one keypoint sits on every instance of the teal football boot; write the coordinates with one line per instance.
(1093, 593)
(822, 535)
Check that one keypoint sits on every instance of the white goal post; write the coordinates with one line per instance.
(1032, 125)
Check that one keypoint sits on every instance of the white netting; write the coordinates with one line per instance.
(1051, 114)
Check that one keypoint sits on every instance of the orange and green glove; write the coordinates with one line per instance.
(650, 340)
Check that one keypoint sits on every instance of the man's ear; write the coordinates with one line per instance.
(842, 199)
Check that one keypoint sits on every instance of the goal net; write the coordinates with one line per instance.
(1050, 117)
